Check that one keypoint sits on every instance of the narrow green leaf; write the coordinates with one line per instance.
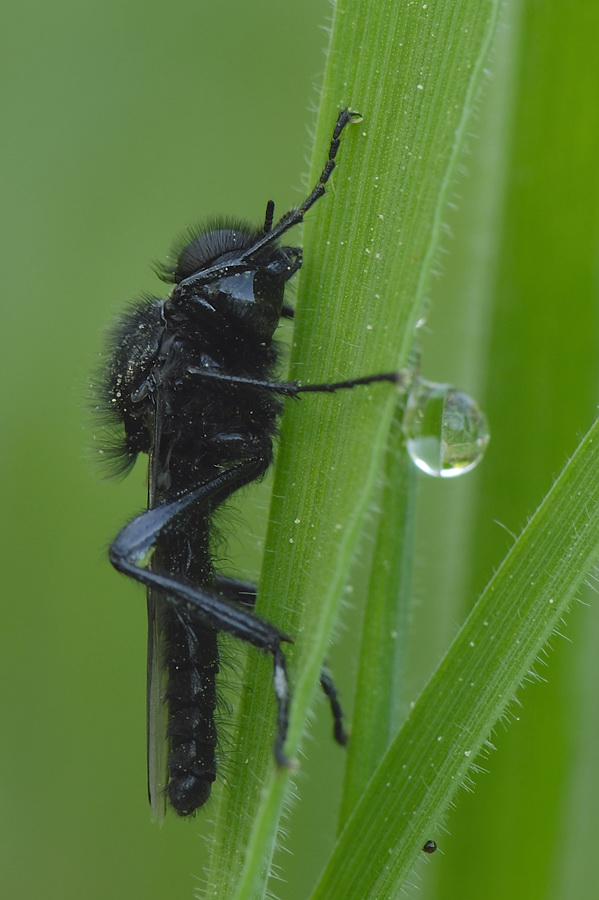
(380, 703)
(496, 650)
(413, 72)
(541, 362)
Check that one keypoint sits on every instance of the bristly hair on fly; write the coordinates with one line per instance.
(200, 246)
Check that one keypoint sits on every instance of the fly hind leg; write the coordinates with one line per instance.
(245, 593)
(135, 543)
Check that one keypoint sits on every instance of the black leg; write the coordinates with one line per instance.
(293, 388)
(245, 593)
(236, 591)
(295, 216)
(272, 234)
(269, 234)
(328, 686)
(135, 541)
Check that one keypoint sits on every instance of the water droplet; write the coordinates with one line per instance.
(446, 432)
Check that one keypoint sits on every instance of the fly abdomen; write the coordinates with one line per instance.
(191, 696)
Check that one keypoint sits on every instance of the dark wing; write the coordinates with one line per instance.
(157, 709)
(157, 673)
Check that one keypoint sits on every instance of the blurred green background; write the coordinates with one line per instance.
(124, 121)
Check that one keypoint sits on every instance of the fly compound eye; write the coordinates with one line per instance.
(239, 286)
(252, 300)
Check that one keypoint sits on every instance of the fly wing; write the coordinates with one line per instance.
(157, 672)
(157, 709)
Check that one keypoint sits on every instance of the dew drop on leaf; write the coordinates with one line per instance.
(446, 432)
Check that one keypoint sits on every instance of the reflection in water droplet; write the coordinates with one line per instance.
(446, 433)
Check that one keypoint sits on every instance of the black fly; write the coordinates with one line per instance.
(189, 381)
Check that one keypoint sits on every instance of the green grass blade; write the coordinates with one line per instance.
(380, 702)
(498, 648)
(511, 837)
(414, 74)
